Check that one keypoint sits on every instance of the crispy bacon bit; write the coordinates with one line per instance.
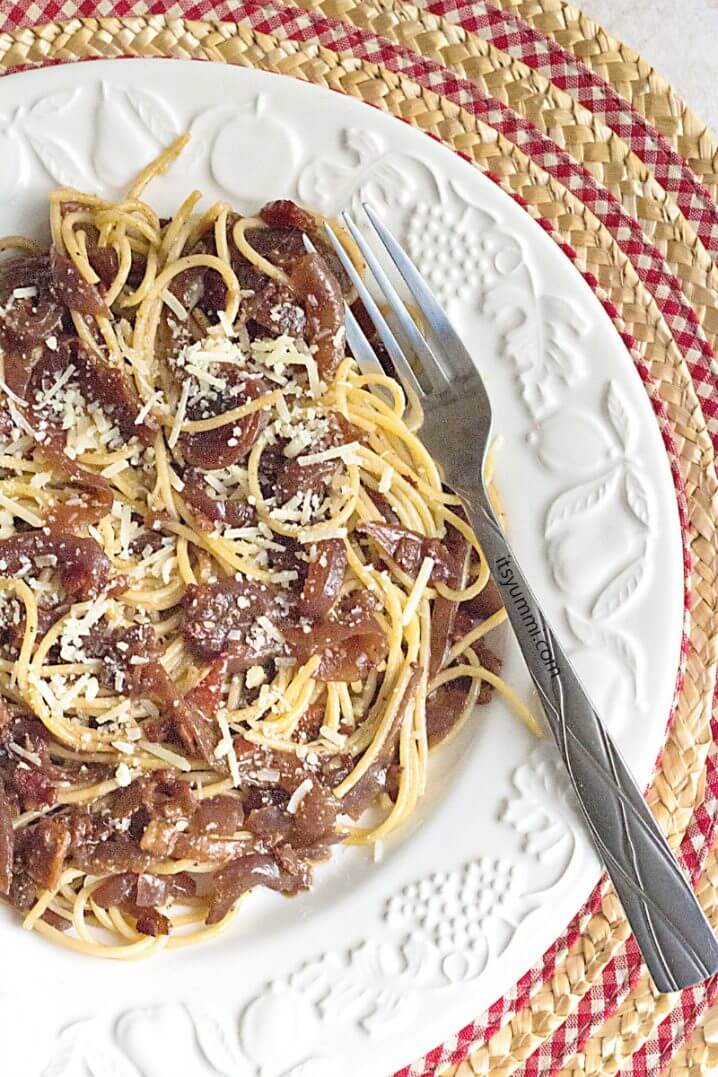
(218, 618)
(476, 610)
(241, 875)
(293, 478)
(221, 816)
(34, 787)
(152, 922)
(351, 642)
(283, 213)
(228, 444)
(321, 295)
(27, 321)
(324, 579)
(95, 492)
(43, 850)
(104, 261)
(224, 511)
(408, 549)
(443, 613)
(83, 569)
(7, 841)
(275, 310)
(72, 289)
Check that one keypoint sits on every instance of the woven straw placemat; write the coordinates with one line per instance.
(596, 146)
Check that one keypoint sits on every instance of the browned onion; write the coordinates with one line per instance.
(324, 579)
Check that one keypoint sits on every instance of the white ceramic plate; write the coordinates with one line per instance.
(382, 960)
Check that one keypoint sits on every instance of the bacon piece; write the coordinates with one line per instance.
(97, 499)
(244, 874)
(224, 511)
(409, 548)
(322, 298)
(30, 321)
(228, 444)
(351, 643)
(43, 850)
(104, 261)
(7, 841)
(220, 815)
(103, 383)
(293, 478)
(324, 579)
(218, 616)
(82, 567)
(275, 309)
(152, 922)
(443, 610)
(283, 213)
(72, 289)
(476, 610)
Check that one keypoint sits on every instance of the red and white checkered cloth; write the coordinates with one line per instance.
(510, 34)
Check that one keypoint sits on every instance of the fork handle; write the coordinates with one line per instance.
(674, 936)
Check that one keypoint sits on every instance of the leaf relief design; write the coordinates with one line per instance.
(622, 419)
(578, 501)
(637, 496)
(620, 589)
(611, 641)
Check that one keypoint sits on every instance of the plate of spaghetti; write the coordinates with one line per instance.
(238, 608)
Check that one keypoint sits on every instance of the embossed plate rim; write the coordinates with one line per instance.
(404, 944)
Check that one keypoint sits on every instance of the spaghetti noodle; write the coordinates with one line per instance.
(237, 606)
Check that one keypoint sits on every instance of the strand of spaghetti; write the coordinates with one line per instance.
(177, 225)
(20, 243)
(380, 736)
(143, 289)
(46, 897)
(474, 635)
(239, 235)
(148, 314)
(497, 682)
(158, 166)
(260, 403)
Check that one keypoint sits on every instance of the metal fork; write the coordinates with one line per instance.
(674, 936)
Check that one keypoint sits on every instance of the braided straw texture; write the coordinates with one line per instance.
(554, 112)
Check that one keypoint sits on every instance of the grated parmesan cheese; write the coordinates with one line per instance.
(333, 736)
(338, 452)
(298, 795)
(179, 415)
(420, 584)
(174, 304)
(123, 775)
(387, 477)
(228, 745)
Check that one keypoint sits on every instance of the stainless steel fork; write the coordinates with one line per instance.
(674, 936)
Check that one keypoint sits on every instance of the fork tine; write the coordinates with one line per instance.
(423, 351)
(432, 310)
(365, 356)
(401, 364)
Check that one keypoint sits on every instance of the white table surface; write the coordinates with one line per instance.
(679, 38)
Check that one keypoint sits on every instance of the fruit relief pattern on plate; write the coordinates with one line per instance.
(600, 515)
(440, 934)
(435, 936)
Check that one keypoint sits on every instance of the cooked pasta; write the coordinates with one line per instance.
(237, 605)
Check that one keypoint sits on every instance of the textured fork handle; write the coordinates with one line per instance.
(675, 938)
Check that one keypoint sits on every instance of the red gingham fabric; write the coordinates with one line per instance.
(519, 40)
